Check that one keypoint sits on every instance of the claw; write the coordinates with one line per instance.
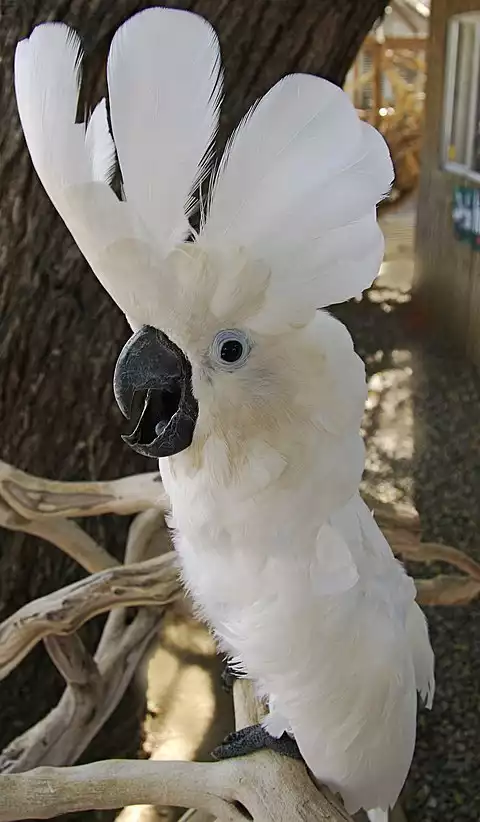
(228, 678)
(255, 738)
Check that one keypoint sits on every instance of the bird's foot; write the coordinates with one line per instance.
(256, 738)
(228, 678)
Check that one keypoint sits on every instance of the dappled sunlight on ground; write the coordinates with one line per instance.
(188, 712)
(388, 421)
(388, 430)
(181, 667)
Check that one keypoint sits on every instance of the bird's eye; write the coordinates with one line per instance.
(230, 349)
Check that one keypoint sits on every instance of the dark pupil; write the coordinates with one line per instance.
(231, 351)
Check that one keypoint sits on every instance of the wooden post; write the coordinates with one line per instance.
(377, 81)
(356, 75)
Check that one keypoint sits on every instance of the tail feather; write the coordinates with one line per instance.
(422, 654)
(403, 595)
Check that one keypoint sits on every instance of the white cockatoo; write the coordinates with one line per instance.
(250, 397)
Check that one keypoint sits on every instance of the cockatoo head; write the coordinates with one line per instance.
(220, 315)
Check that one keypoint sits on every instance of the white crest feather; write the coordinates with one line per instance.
(165, 87)
(73, 163)
(47, 78)
(163, 152)
(297, 187)
(100, 145)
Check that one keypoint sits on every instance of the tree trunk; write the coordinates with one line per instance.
(60, 333)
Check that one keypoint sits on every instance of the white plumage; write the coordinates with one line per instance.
(274, 196)
(74, 162)
(282, 556)
(149, 112)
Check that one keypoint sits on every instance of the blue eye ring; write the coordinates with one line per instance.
(230, 349)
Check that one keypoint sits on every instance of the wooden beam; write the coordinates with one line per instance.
(377, 82)
(407, 16)
(356, 75)
(408, 43)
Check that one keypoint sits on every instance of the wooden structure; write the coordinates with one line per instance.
(386, 84)
(447, 274)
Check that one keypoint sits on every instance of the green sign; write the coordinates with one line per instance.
(466, 215)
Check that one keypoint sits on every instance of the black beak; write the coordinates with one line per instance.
(152, 383)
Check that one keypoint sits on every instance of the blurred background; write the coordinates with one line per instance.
(411, 67)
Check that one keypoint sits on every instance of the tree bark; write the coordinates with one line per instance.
(60, 333)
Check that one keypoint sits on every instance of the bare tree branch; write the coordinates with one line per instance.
(74, 541)
(71, 658)
(269, 787)
(154, 582)
(430, 551)
(47, 792)
(31, 504)
(94, 687)
(401, 527)
(447, 590)
(35, 497)
(41, 507)
(141, 584)
(64, 534)
(147, 536)
(62, 736)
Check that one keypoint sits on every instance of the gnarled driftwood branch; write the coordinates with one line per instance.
(269, 787)
(265, 787)
(153, 582)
